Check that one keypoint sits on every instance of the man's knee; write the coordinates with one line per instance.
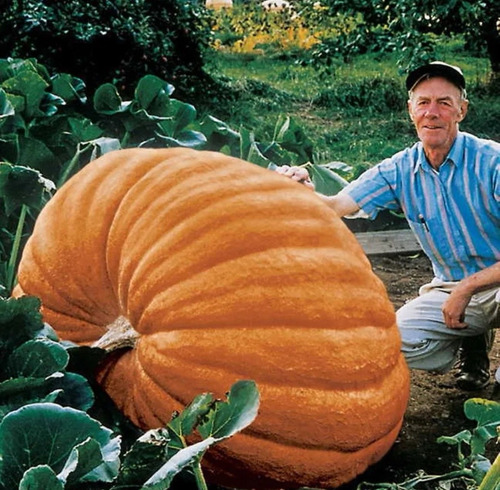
(430, 354)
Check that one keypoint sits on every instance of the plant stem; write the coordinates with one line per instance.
(11, 268)
(491, 481)
(67, 171)
(200, 479)
(125, 139)
(465, 473)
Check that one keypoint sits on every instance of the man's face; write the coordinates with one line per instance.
(436, 108)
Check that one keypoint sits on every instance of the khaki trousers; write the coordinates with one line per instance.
(427, 343)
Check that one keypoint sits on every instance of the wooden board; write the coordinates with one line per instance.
(388, 242)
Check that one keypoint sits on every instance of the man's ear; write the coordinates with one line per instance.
(464, 106)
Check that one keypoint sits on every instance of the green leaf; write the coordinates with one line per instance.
(103, 145)
(194, 413)
(30, 65)
(108, 469)
(107, 100)
(83, 129)
(219, 134)
(183, 424)
(20, 320)
(20, 185)
(46, 434)
(162, 479)
(485, 412)
(152, 95)
(73, 390)
(338, 167)
(6, 107)
(480, 468)
(5, 169)
(178, 117)
(325, 180)
(188, 139)
(37, 359)
(50, 103)
(69, 88)
(11, 388)
(487, 415)
(40, 477)
(490, 481)
(275, 153)
(249, 150)
(84, 458)
(457, 439)
(19, 105)
(234, 415)
(292, 137)
(223, 419)
(9, 144)
(35, 154)
(144, 458)
(36, 391)
(31, 87)
(183, 115)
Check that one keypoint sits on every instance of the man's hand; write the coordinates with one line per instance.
(299, 174)
(341, 203)
(454, 308)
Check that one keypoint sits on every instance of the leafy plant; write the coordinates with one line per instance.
(472, 467)
(24, 188)
(47, 440)
(33, 362)
(89, 39)
(60, 447)
(213, 421)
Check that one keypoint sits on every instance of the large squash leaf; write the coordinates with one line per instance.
(40, 478)
(75, 446)
(37, 358)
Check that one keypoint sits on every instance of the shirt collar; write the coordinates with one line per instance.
(455, 154)
(457, 150)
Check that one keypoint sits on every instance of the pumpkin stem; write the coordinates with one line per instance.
(120, 334)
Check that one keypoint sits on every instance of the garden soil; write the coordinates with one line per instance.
(436, 405)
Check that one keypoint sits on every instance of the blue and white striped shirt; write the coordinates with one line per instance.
(454, 213)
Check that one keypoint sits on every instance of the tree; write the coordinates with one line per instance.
(115, 41)
(406, 24)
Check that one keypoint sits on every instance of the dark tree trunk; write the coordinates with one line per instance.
(491, 32)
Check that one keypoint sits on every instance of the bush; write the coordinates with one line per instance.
(379, 94)
(110, 41)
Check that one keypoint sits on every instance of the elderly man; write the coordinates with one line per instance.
(448, 186)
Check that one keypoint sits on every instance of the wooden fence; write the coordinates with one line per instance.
(388, 242)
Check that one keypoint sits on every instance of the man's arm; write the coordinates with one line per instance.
(341, 203)
(454, 307)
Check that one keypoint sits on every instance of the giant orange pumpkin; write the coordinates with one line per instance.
(226, 271)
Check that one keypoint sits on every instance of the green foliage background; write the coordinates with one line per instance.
(116, 41)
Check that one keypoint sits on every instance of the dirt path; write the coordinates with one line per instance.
(436, 406)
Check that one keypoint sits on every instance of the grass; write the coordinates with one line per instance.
(357, 114)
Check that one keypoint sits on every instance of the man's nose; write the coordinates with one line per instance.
(432, 110)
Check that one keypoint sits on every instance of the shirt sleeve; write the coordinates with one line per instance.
(375, 189)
